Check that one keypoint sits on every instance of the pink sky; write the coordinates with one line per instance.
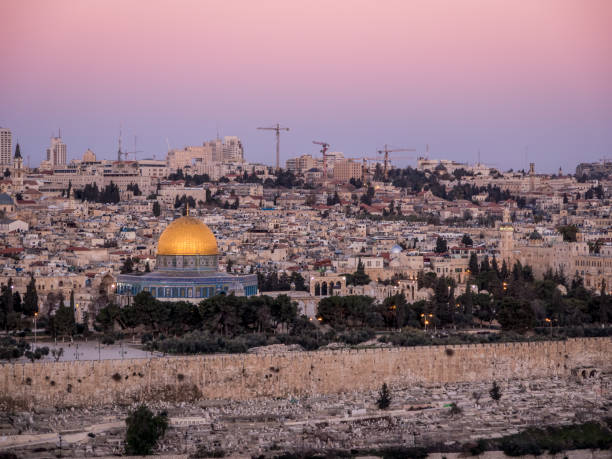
(460, 75)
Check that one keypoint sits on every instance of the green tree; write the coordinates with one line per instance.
(156, 209)
(128, 266)
(144, 431)
(441, 245)
(473, 264)
(568, 232)
(360, 277)
(384, 397)
(516, 314)
(63, 323)
(30, 300)
(467, 240)
(495, 392)
(17, 303)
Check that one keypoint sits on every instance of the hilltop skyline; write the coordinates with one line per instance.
(491, 76)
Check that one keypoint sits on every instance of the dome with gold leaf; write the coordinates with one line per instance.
(187, 244)
(187, 236)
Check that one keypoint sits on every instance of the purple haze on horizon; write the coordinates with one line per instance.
(491, 75)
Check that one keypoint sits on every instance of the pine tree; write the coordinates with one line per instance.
(17, 303)
(484, 266)
(494, 266)
(384, 397)
(503, 274)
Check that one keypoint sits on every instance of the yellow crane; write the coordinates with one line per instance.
(386, 150)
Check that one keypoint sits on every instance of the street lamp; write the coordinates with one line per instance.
(426, 320)
(549, 323)
(35, 318)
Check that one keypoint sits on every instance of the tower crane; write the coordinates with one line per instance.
(135, 152)
(386, 150)
(324, 148)
(276, 129)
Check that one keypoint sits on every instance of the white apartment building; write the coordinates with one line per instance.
(301, 164)
(232, 150)
(228, 150)
(6, 146)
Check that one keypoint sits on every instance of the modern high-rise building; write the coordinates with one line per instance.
(56, 153)
(228, 150)
(232, 150)
(6, 146)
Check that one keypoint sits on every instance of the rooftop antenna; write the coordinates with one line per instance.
(479, 157)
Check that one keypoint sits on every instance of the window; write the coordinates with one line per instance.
(190, 292)
(182, 292)
(175, 292)
(168, 292)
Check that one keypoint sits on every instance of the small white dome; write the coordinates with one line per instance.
(396, 249)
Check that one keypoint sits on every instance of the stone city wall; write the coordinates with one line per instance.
(245, 376)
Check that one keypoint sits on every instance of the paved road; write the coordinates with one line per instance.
(93, 351)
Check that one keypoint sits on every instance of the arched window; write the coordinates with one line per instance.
(324, 289)
(317, 289)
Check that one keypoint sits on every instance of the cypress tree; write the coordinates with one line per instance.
(30, 300)
(473, 264)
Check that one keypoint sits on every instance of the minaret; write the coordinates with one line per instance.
(506, 245)
(17, 175)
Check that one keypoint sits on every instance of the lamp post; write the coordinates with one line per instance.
(35, 319)
(549, 323)
(426, 318)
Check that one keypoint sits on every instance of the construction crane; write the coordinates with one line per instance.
(324, 148)
(386, 150)
(135, 152)
(276, 129)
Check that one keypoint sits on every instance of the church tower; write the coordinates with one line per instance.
(506, 247)
(18, 172)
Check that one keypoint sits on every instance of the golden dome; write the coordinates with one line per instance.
(187, 236)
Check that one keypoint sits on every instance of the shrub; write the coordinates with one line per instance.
(495, 392)
(478, 448)
(108, 339)
(144, 431)
(116, 377)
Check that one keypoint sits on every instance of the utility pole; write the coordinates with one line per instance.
(276, 129)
